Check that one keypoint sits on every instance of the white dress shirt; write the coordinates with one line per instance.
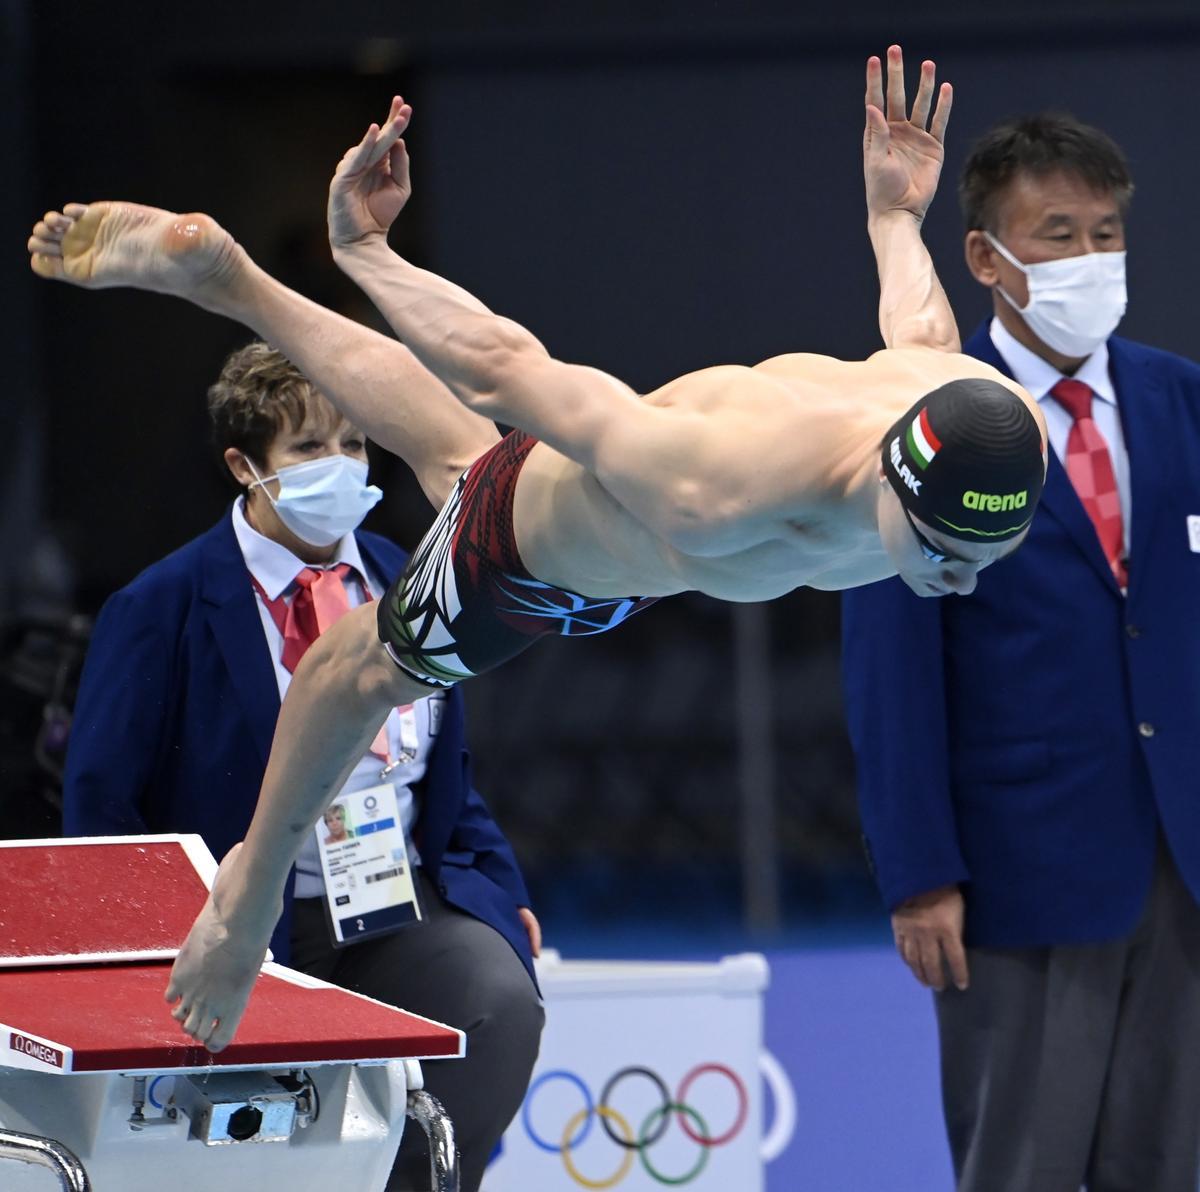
(1039, 376)
(275, 567)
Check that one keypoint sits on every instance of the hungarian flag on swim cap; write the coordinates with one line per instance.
(922, 442)
(967, 459)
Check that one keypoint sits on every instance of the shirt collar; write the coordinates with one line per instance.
(1038, 376)
(273, 565)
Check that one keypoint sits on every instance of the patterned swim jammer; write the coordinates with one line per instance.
(465, 603)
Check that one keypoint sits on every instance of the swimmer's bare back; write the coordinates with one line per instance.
(772, 484)
(740, 482)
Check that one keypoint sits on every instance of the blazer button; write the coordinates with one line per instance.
(1146, 728)
(1133, 631)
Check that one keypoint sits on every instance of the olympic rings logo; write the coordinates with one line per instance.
(619, 1130)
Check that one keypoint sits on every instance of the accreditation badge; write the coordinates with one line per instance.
(369, 886)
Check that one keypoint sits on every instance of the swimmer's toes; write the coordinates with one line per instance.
(198, 1023)
(221, 1036)
(46, 266)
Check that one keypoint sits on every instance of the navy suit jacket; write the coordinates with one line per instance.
(173, 724)
(1028, 740)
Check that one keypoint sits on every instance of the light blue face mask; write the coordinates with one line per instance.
(321, 500)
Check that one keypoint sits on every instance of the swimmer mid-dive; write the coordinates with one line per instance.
(742, 483)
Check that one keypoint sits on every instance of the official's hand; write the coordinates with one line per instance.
(929, 930)
(533, 928)
(371, 183)
(901, 161)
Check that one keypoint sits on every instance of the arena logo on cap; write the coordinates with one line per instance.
(922, 442)
(995, 502)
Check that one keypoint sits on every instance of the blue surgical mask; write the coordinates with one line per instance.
(321, 500)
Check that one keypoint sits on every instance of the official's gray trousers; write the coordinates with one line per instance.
(453, 968)
(1080, 1065)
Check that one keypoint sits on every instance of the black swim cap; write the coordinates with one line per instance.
(967, 460)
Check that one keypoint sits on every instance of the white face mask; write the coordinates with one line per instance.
(321, 500)
(1074, 303)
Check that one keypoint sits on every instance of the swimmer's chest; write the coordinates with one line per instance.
(798, 555)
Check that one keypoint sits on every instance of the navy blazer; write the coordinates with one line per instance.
(173, 724)
(1028, 740)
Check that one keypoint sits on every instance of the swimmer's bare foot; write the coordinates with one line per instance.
(215, 970)
(100, 245)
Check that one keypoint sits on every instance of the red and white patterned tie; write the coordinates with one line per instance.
(1090, 468)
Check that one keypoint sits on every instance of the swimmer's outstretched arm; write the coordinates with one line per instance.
(493, 365)
(683, 474)
(371, 378)
(901, 165)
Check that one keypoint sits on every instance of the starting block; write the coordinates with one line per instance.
(313, 1091)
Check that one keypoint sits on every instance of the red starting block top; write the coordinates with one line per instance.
(81, 901)
(112, 1018)
(67, 905)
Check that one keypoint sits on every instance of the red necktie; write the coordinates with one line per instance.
(320, 600)
(1089, 466)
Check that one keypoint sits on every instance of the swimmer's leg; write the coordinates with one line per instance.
(338, 698)
(373, 380)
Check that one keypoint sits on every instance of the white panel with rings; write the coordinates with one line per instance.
(649, 1073)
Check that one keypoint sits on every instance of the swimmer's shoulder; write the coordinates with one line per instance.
(706, 386)
(929, 364)
(952, 364)
(792, 363)
(940, 367)
(806, 369)
(927, 368)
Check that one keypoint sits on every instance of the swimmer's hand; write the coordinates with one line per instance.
(215, 970)
(929, 929)
(371, 184)
(901, 160)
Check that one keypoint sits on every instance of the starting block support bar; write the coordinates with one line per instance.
(427, 1112)
(45, 1152)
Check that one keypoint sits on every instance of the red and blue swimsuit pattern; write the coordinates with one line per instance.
(466, 603)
